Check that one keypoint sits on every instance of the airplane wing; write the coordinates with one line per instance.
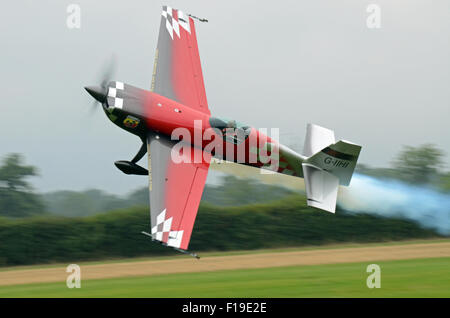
(175, 191)
(177, 72)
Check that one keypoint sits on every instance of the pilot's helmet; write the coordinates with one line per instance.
(231, 124)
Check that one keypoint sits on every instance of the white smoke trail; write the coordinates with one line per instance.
(389, 198)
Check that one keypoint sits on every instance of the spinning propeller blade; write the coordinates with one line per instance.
(99, 92)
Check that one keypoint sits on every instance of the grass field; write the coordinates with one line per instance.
(402, 278)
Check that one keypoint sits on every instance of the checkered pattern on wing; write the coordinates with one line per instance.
(174, 19)
(164, 225)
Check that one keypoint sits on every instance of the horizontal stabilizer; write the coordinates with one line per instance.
(338, 159)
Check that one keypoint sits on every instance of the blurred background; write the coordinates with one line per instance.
(269, 64)
(410, 199)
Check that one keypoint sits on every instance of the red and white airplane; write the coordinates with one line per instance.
(177, 99)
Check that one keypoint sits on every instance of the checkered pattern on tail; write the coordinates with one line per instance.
(174, 19)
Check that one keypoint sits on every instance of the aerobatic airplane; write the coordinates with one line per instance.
(177, 100)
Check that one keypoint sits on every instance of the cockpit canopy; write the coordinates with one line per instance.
(231, 130)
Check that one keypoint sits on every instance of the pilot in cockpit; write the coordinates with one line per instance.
(231, 130)
(230, 124)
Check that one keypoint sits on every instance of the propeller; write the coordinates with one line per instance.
(100, 92)
(108, 72)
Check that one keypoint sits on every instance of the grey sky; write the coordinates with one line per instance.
(266, 63)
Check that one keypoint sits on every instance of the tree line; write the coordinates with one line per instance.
(229, 217)
(117, 234)
(413, 165)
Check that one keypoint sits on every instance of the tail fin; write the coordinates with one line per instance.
(329, 164)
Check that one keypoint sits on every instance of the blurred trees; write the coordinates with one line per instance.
(414, 165)
(444, 182)
(420, 164)
(93, 201)
(284, 223)
(16, 196)
(224, 221)
(232, 191)
(235, 191)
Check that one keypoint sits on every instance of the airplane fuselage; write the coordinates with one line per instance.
(142, 112)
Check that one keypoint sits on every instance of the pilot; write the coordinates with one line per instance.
(231, 124)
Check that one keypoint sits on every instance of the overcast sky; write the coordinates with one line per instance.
(266, 63)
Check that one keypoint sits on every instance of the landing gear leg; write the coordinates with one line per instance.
(130, 167)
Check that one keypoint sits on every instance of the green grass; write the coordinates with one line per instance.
(406, 278)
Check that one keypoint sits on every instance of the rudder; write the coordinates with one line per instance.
(329, 164)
